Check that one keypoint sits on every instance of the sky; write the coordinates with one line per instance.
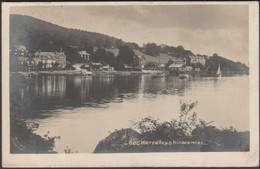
(203, 29)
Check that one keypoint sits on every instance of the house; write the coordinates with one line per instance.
(162, 66)
(188, 68)
(179, 68)
(36, 60)
(86, 66)
(84, 54)
(50, 58)
(20, 50)
(31, 64)
(27, 63)
(96, 66)
(179, 61)
(22, 61)
(197, 59)
(197, 69)
(176, 67)
(128, 67)
(107, 68)
(142, 61)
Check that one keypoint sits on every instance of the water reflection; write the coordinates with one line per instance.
(38, 94)
(165, 85)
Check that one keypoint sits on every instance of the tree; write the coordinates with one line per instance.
(69, 67)
(99, 56)
(179, 52)
(126, 56)
(152, 49)
(99, 43)
(119, 43)
(110, 58)
(169, 63)
(56, 65)
(150, 66)
(39, 66)
(135, 46)
(215, 55)
(45, 65)
(108, 44)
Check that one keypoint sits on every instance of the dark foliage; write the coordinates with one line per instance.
(41, 35)
(103, 57)
(226, 65)
(126, 56)
(151, 66)
(178, 52)
(23, 138)
(152, 49)
(186, 128)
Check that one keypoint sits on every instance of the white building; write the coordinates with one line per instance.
(176, 67)
(179, 68)
(84, 54)
(108, 68)
(20, 50)
(198, 59)
(50, 58)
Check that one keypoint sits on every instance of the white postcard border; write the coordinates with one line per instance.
(185, 159)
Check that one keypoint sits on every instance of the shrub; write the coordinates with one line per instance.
(187, 127)
(23, 138)
(152, 129)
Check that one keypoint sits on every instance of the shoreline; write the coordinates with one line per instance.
(91, 73)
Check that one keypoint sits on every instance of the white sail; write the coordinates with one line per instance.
(219, 71)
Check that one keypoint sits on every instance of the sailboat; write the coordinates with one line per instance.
(219, 73)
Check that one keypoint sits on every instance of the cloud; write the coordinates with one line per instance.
(185, 16)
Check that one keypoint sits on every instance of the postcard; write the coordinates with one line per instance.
(130, 84)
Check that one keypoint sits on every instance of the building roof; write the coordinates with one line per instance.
(83, 52)
(162, 58)
(37, 59)
(105, 66)
(198, 56)
(127, 66)
(97, 64)
(162, 65)
(48, 54)
(20, 47)
(176, 66)
(22, 59)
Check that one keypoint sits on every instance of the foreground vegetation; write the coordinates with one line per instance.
(23, 138)
(186, 134)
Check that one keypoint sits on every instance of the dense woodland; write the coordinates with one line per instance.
(38, 35)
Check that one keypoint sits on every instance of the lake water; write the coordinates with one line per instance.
(84, 110)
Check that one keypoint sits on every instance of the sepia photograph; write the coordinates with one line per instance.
(99, 80)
